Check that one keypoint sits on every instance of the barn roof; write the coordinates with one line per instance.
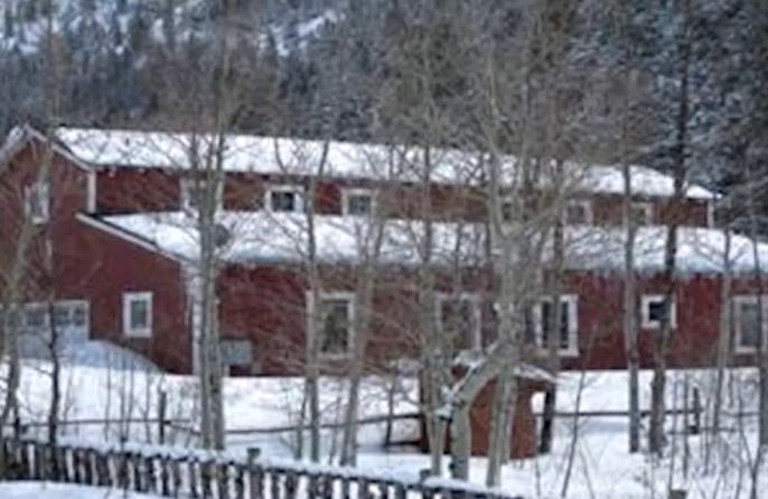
(274, 155)
(283, 237)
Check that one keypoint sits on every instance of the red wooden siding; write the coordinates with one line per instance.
(101, 267)
(130, 190)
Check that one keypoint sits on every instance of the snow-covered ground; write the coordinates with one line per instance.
(44, 490)
(601, 465)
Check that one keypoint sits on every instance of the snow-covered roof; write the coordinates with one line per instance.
(282, 237)
(272, 155)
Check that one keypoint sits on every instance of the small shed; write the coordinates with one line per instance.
(523, 436)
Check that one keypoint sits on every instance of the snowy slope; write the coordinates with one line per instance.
(602, 467)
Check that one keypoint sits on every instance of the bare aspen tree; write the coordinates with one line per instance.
(679, 153)
(630, 308)
(369, 235)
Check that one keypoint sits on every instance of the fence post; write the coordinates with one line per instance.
(239, 471)
(697, 409)
(138, 486)
(150, 476)
(206, 476)
(176, 476)
(274, 483)
(255, 474)
(222, 480)
(165, 474)
(161, 408)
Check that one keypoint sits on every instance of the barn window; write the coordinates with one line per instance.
(68, 314)
(358, 202)
(37, 202)
(748, 317)
(652, 312)
(35, 318)
(578, 212)
(458, 319)
(333, 321)
(236, 353)
(285, 199)
(642, 213)
(137, 314)
(10, 321)
(193, 192)
(567, 336)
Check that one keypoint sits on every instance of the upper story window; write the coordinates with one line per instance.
(137, 314)
(750, 324)
(458, 319)
(642, 213)
(358, 202)
(194, 192)
(578, 212)
(652, 312)
(567, 336)
(285, 198)
(37, 202)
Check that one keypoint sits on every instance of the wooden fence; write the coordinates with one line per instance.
(203, 475)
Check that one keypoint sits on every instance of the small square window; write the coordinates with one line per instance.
(62, 316)
(35, 317)
(288, 199)
(11, 320)
(137, 314)
(358, 202)
(653, 312)
(578, 212)
(37, 202)
(642, 214)
(236, 352)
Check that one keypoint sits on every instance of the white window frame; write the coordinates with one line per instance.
(74, 303)
(313, 320)
(573, 325)
(42, 190)
(474, 299)
(128, 330)
(645, 316)
(296, 189)
(347, 193)
(647, 208)
(186, 184)
(584, 203)
(737, 302)
(25, 327)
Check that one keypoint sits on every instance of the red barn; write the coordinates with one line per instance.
(117, 210)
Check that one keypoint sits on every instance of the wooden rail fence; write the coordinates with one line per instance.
(167, 472)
